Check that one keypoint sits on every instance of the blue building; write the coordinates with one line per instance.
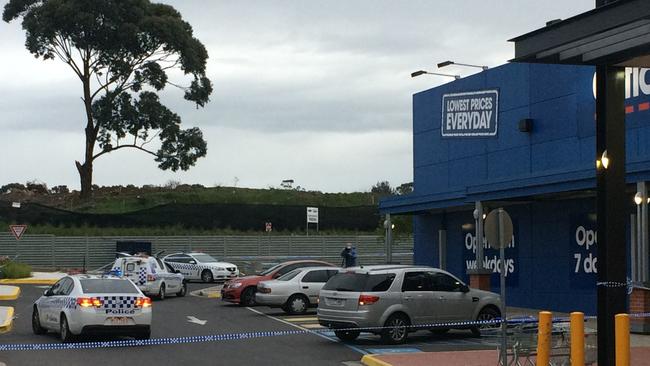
(521, 137)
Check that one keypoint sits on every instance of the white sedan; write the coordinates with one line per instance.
(295, 291)
(84, 304)
(201, 266)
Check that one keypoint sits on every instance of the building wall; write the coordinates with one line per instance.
(559, 100)
(544, 256)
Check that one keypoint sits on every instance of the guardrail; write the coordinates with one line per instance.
(251, 253)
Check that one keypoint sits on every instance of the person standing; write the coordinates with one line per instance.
(349, 255)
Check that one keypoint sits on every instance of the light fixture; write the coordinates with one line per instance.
(392, 226)
(423, 72)
(603, 161)
(484, 216)
(447, 63)
(638, 198)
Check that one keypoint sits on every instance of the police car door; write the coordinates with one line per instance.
(56, 302)
(173, 284)
(183, 263)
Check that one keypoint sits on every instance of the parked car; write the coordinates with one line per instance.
(242, 290)
(85, 304)
(401, 299)
(201, 266)
(151, 275)
(295, 291)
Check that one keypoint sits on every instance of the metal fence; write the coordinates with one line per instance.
(250, 253)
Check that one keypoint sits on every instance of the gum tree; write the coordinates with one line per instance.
(121, 51)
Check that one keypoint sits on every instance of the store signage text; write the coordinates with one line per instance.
(470, 114)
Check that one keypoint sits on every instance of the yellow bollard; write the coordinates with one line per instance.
(544, 338)
(577, 339)
(622, 331)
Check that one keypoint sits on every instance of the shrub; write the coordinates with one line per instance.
(16, 270)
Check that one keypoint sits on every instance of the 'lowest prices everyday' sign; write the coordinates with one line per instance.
(470, 114)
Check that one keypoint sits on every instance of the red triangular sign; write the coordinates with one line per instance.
(18, 230)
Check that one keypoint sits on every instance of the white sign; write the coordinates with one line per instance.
(15, 204)
(312, 215)
(269, 227)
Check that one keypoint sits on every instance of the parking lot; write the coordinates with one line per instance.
(200, 316)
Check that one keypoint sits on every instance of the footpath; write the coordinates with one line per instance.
(10, 292)
(640, 350)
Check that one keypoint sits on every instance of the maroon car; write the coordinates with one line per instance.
(242, 290)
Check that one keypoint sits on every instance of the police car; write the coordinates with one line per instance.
(151, 275)
(201, 266)
(86, 304)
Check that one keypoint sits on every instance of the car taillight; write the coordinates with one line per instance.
(87, 302)
(367, 299)
(142, 302)
(151, 277)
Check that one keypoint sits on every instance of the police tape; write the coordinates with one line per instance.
(484, 325)
(238, 336)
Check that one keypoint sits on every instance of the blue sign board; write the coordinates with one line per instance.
(470, 114)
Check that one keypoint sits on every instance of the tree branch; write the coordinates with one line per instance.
(123, 146)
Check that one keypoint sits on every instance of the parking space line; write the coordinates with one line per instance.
(312, 326)
(356, 349)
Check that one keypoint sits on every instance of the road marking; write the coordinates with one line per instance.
(356, 349)
(195, 320)
(310, 319)
(313, 326)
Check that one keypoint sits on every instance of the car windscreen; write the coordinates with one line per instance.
(204, 258)
(268, 271)
(290, 275)
(359, 282)
(107, 286)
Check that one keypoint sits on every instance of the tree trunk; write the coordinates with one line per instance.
(86, 169)
(86, 177)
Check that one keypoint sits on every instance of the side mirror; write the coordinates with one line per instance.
(192, 262)
(276, 275)
(177, 271)
(47, 292)
(464, 288)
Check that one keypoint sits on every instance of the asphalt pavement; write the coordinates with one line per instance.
(170, 319)
(202, 316)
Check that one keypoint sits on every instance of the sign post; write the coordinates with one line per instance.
(498, 230)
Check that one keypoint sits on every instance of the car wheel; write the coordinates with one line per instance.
(247, 297)
(183, 290)
(162, 292)
(297, 304)
(206, 276)
(66, 336)
(395, 329)
(145, 334)
(347, 335)
(36, 323)
(486, 314)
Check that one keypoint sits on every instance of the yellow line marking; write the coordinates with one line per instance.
(6, 326)
(313, 326)
(28, 281)
(372, 360)
(312, 318)
(13, 295)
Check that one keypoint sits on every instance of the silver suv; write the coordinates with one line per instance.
(397, 300)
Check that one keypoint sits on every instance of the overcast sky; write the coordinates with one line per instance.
(315, 91)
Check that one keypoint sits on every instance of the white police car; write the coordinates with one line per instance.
(85, 304)
(201, 266)
(151, 275)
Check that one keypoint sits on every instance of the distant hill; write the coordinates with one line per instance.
(192, 208)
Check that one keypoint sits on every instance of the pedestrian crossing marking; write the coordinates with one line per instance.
(312, 326)
(309, 319)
